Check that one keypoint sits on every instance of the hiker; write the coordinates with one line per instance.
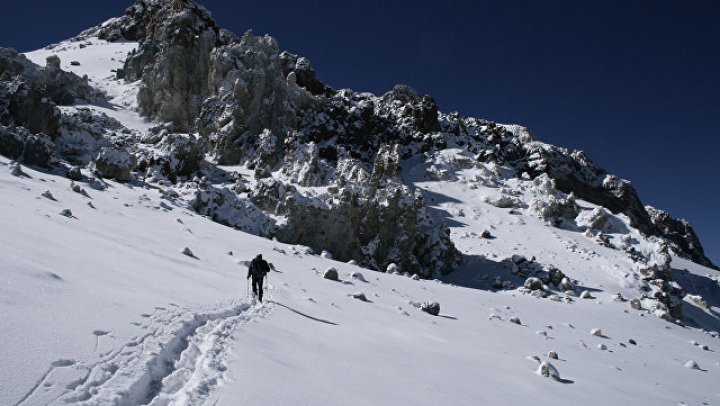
(258, 269)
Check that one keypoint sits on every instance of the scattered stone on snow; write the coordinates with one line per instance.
(359, 296)
(48, 195)
(553, 355)
(515, 320)
(187, 251)
(74, 173)
(596, 332)
(15, 169)
(586, 295)
(332, 274)
(432, 308)
(692, 365)
(358, 276)
(548, 370)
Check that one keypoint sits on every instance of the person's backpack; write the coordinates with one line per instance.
(259, 268)
(264, 267)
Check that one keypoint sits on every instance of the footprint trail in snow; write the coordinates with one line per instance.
(179, 359)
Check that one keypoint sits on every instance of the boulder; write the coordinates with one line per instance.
(359, 296)
(114, 163)
(548, 370)
(432, 308)
(533, 283)
(74, 173)
(332, 274)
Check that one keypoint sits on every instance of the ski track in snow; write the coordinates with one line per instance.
(180, 359)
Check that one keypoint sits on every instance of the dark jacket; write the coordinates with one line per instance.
(258, 268)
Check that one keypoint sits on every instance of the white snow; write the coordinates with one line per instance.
(97, 60)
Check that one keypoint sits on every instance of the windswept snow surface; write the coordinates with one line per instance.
(100, 306)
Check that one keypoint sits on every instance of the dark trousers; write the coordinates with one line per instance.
(257, 287)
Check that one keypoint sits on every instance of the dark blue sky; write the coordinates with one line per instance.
(636, 84)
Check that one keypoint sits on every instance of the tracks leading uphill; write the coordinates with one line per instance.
(178, 360)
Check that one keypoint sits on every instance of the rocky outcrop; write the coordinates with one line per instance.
(22, 104)
(303, 73)
(680, 234)
(29, 93)
(114, 163)
(21, 145)
(172, 60)
(249, 95)
(378, 223)
(575, 172)
(175, 156)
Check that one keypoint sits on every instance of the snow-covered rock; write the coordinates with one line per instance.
(432, 308)
(548, 370)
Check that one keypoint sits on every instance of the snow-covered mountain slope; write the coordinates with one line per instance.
(527, 248)
(102, 307)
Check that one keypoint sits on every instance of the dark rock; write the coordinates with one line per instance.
(39, 151)
(304, 73)
(681, 234)
(114, 163)
(19, 144)
(423, 109)
(360, 296)
(12, 141)
(29, 107)
(332, 274)
(74, 173)
(53, 62)
(432, 308)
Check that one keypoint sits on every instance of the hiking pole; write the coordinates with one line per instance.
(247, 291)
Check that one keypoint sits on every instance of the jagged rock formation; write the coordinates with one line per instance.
(29, 117)
(172, 60)
(249, 95)
(679, 233)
